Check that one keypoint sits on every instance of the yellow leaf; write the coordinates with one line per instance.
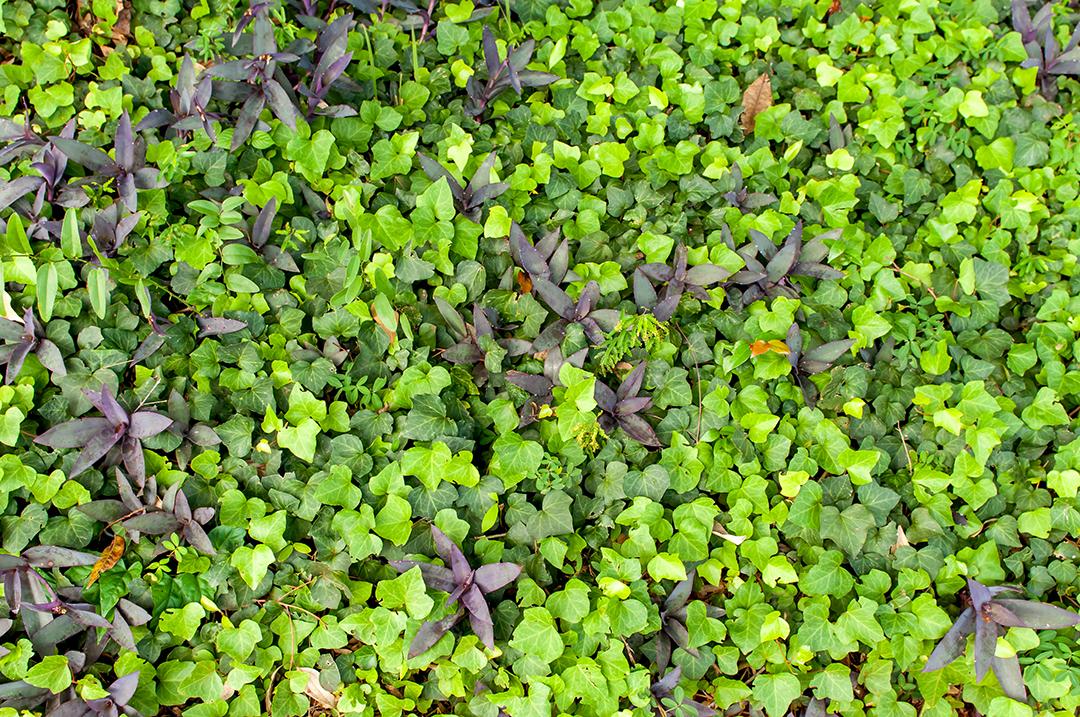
(109, 557)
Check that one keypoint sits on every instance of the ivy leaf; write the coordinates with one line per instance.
(252, 563)
(776, 692)
(52, 674)
(536, 636)
(301, 439)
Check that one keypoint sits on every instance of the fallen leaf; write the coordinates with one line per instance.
(524, 282)
(379, 322)
(901, 540)
(316, 691)
(109, 557)
(720, 532)
(763, 347)
(756, 99)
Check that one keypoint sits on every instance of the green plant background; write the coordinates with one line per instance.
(836, 537)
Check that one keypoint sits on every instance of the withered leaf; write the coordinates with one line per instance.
(756, 99)
(109, 557)
(524, 282)
(763, 347)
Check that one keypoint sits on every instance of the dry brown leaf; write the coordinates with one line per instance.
(109, 557)
(524, 282)
(314, 689)
(756, 99)
(389, 334)
(901, 540)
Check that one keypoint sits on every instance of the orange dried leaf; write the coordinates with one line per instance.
(524, 282)
(389, 334)
(763, 347)
(756, 99)
(109, 557)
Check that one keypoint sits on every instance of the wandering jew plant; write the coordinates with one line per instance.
(97, 436)
(989, 616)
(503, 73)
(24, 339)
(464, 584)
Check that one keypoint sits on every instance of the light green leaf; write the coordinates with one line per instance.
(52, 674)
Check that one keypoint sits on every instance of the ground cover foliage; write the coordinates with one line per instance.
(533, 358)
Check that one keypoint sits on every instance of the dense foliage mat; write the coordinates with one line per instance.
(601, 357)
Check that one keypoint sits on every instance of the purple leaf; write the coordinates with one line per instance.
(95, 449)
(667, 684)
(49, 356)
(436, 577)
(453, 319)
(481, 177)
(198, 539)
(495, 575)
(681, 592)
(105, 510)
(678, 634)
(705, 274)
(51, 556)
(16, 189)
(260, 230)
(488, 192)
(1003, 616)
(1038, 615)
(555, 298)
(816, 271)
(15, 361)
(666, 309)
(605, 398)
(135, 615)
(1007, 671)
(951, 645)
(134, 461)
(781, 263)
(203, 436)
(434, 171)
(663, 650)
(217, 326)
(587, 301)
(639, 429)
(149, 346)
(979, 593)
(633, 405)
(104, 401)
(90, 158)
(145, 424)
(74, 433)
(531, 78)
(431, 632)
(123, 689)
(479, 616)
(829, 352)
(986, 634)
(525, 254)
(491, 52)
(245, 122)
(451, 554)
(631, 385)
(125, 142)
(280, 104)
(156, 523)
(644, 293)
(535, 385)
(120, 632)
